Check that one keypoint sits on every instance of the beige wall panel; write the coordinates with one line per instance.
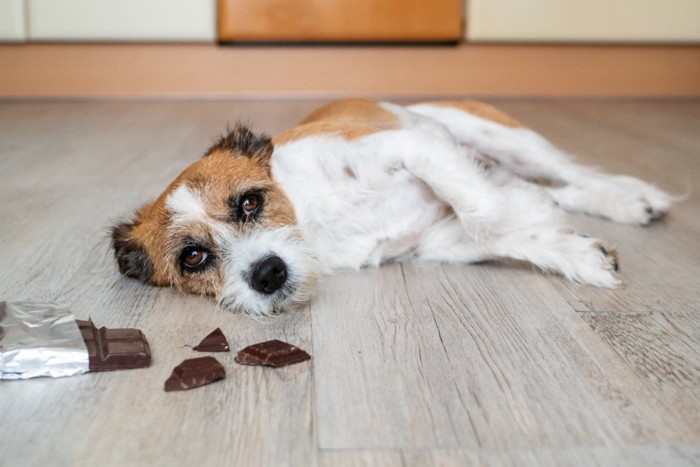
(12, 22)
(122, 20)
(671, 21)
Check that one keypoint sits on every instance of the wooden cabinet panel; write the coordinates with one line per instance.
(340, 20)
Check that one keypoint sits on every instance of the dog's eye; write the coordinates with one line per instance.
(250, 203)
(246, 207)
(194, 258)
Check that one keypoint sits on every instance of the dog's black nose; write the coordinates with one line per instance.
(269, 275)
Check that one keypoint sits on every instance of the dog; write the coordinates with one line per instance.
(256, 221)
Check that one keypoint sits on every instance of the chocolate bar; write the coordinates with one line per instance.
(114, 349)
(273, 353)
(195, 372)
(214, 342)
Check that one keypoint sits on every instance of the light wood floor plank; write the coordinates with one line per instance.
(632, 455)
(376, 458)
(658, 266)
(579, 456)
(454, 352)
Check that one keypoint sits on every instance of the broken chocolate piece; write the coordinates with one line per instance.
(273, 353)
(214, 342)
(195, 372)
(114, 349)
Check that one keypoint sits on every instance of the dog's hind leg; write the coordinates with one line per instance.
(547, 242)
(516, 220)
(527, 154)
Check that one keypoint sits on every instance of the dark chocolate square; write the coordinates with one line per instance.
(115, 349)
(193, 373)
(214, 342)
(273, 353)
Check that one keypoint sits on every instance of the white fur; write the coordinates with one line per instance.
(239, 252)
(186, 205)
(419, 192)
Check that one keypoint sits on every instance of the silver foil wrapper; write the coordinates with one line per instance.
(40, 339)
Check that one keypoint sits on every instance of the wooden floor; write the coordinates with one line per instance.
(413, 365)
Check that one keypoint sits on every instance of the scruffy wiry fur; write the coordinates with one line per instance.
(359, 183)
(240, 140)
(132, 259)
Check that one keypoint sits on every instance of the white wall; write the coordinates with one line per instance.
(12, 20)
(122, 20)
(584, 20)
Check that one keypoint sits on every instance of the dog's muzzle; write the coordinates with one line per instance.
(268, 275)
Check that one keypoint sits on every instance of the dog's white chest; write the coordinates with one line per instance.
(354, 208)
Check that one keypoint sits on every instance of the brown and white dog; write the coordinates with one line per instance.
(358, 183)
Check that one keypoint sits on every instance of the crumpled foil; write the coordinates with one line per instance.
(40, 339)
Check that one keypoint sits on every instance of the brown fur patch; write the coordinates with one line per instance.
(349, 119)
(363, 111)
(346, 130)
(481, 110)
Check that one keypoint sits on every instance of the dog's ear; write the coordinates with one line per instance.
(240, 140)
(132, 258)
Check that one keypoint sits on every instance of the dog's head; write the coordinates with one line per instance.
(223, 228)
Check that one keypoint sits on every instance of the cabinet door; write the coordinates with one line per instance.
(340, 20)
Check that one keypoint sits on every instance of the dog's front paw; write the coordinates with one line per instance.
(593, 262)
